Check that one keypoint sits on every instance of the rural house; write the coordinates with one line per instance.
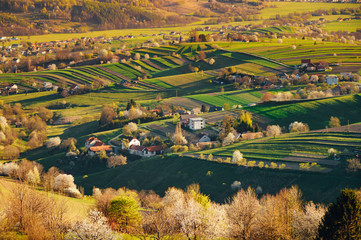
(184, 119)
(196, 123)
(94, 145)
(203, 138)
(145, 151)
(131, 141)
(12, 88)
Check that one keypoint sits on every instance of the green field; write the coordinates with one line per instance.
(350, 26)
(315, 113)
(234, 98)
(284, 8)
(215, 179)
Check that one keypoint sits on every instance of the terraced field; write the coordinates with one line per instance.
(293, 148)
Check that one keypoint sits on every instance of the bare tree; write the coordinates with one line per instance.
(242, 213)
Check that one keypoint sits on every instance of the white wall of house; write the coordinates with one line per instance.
(204, 138)
(196, 123)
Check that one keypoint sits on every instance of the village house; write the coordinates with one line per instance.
(145, 151)
(331, 80)
(184, 119)
(196, 123)
(93, 145)
(131, 141)
(12, 88)
(196, 111)
(203, 138)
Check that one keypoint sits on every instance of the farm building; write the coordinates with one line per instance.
(94, 145)
(12, 88)
(331, 80)
(132, 141)
(145, 151)
(196, 123)
(203, 138)
(184, 119)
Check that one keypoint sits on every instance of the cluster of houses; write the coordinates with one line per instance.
(312, 67)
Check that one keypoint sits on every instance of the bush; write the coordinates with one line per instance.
(179, 148)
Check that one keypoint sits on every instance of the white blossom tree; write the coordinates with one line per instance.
(94, 227)
(273, 131)
(237, 156)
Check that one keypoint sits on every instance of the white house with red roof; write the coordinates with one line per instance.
(94, 145)
(145, 151)
(132, 141)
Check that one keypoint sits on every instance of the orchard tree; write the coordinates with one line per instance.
(108, 114)
(273, 131)
(267, 97)
(334, 122)
(124, 212)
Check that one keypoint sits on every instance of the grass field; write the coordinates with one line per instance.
(215, 179)
(234, 98)
(315, 113)
(284, 8)
(350, 26)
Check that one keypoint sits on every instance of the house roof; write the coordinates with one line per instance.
(98, 143)
(89, 140)
(131, 138)
(197, 119)
(102, 147)
(154, 148)
(200, 135)
(137, 148)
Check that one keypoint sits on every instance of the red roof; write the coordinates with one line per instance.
(154, 148)
(98, 143)
(137, 148)
(99, 148)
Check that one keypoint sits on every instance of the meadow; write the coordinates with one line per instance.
(316, 113)
(284, 8)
